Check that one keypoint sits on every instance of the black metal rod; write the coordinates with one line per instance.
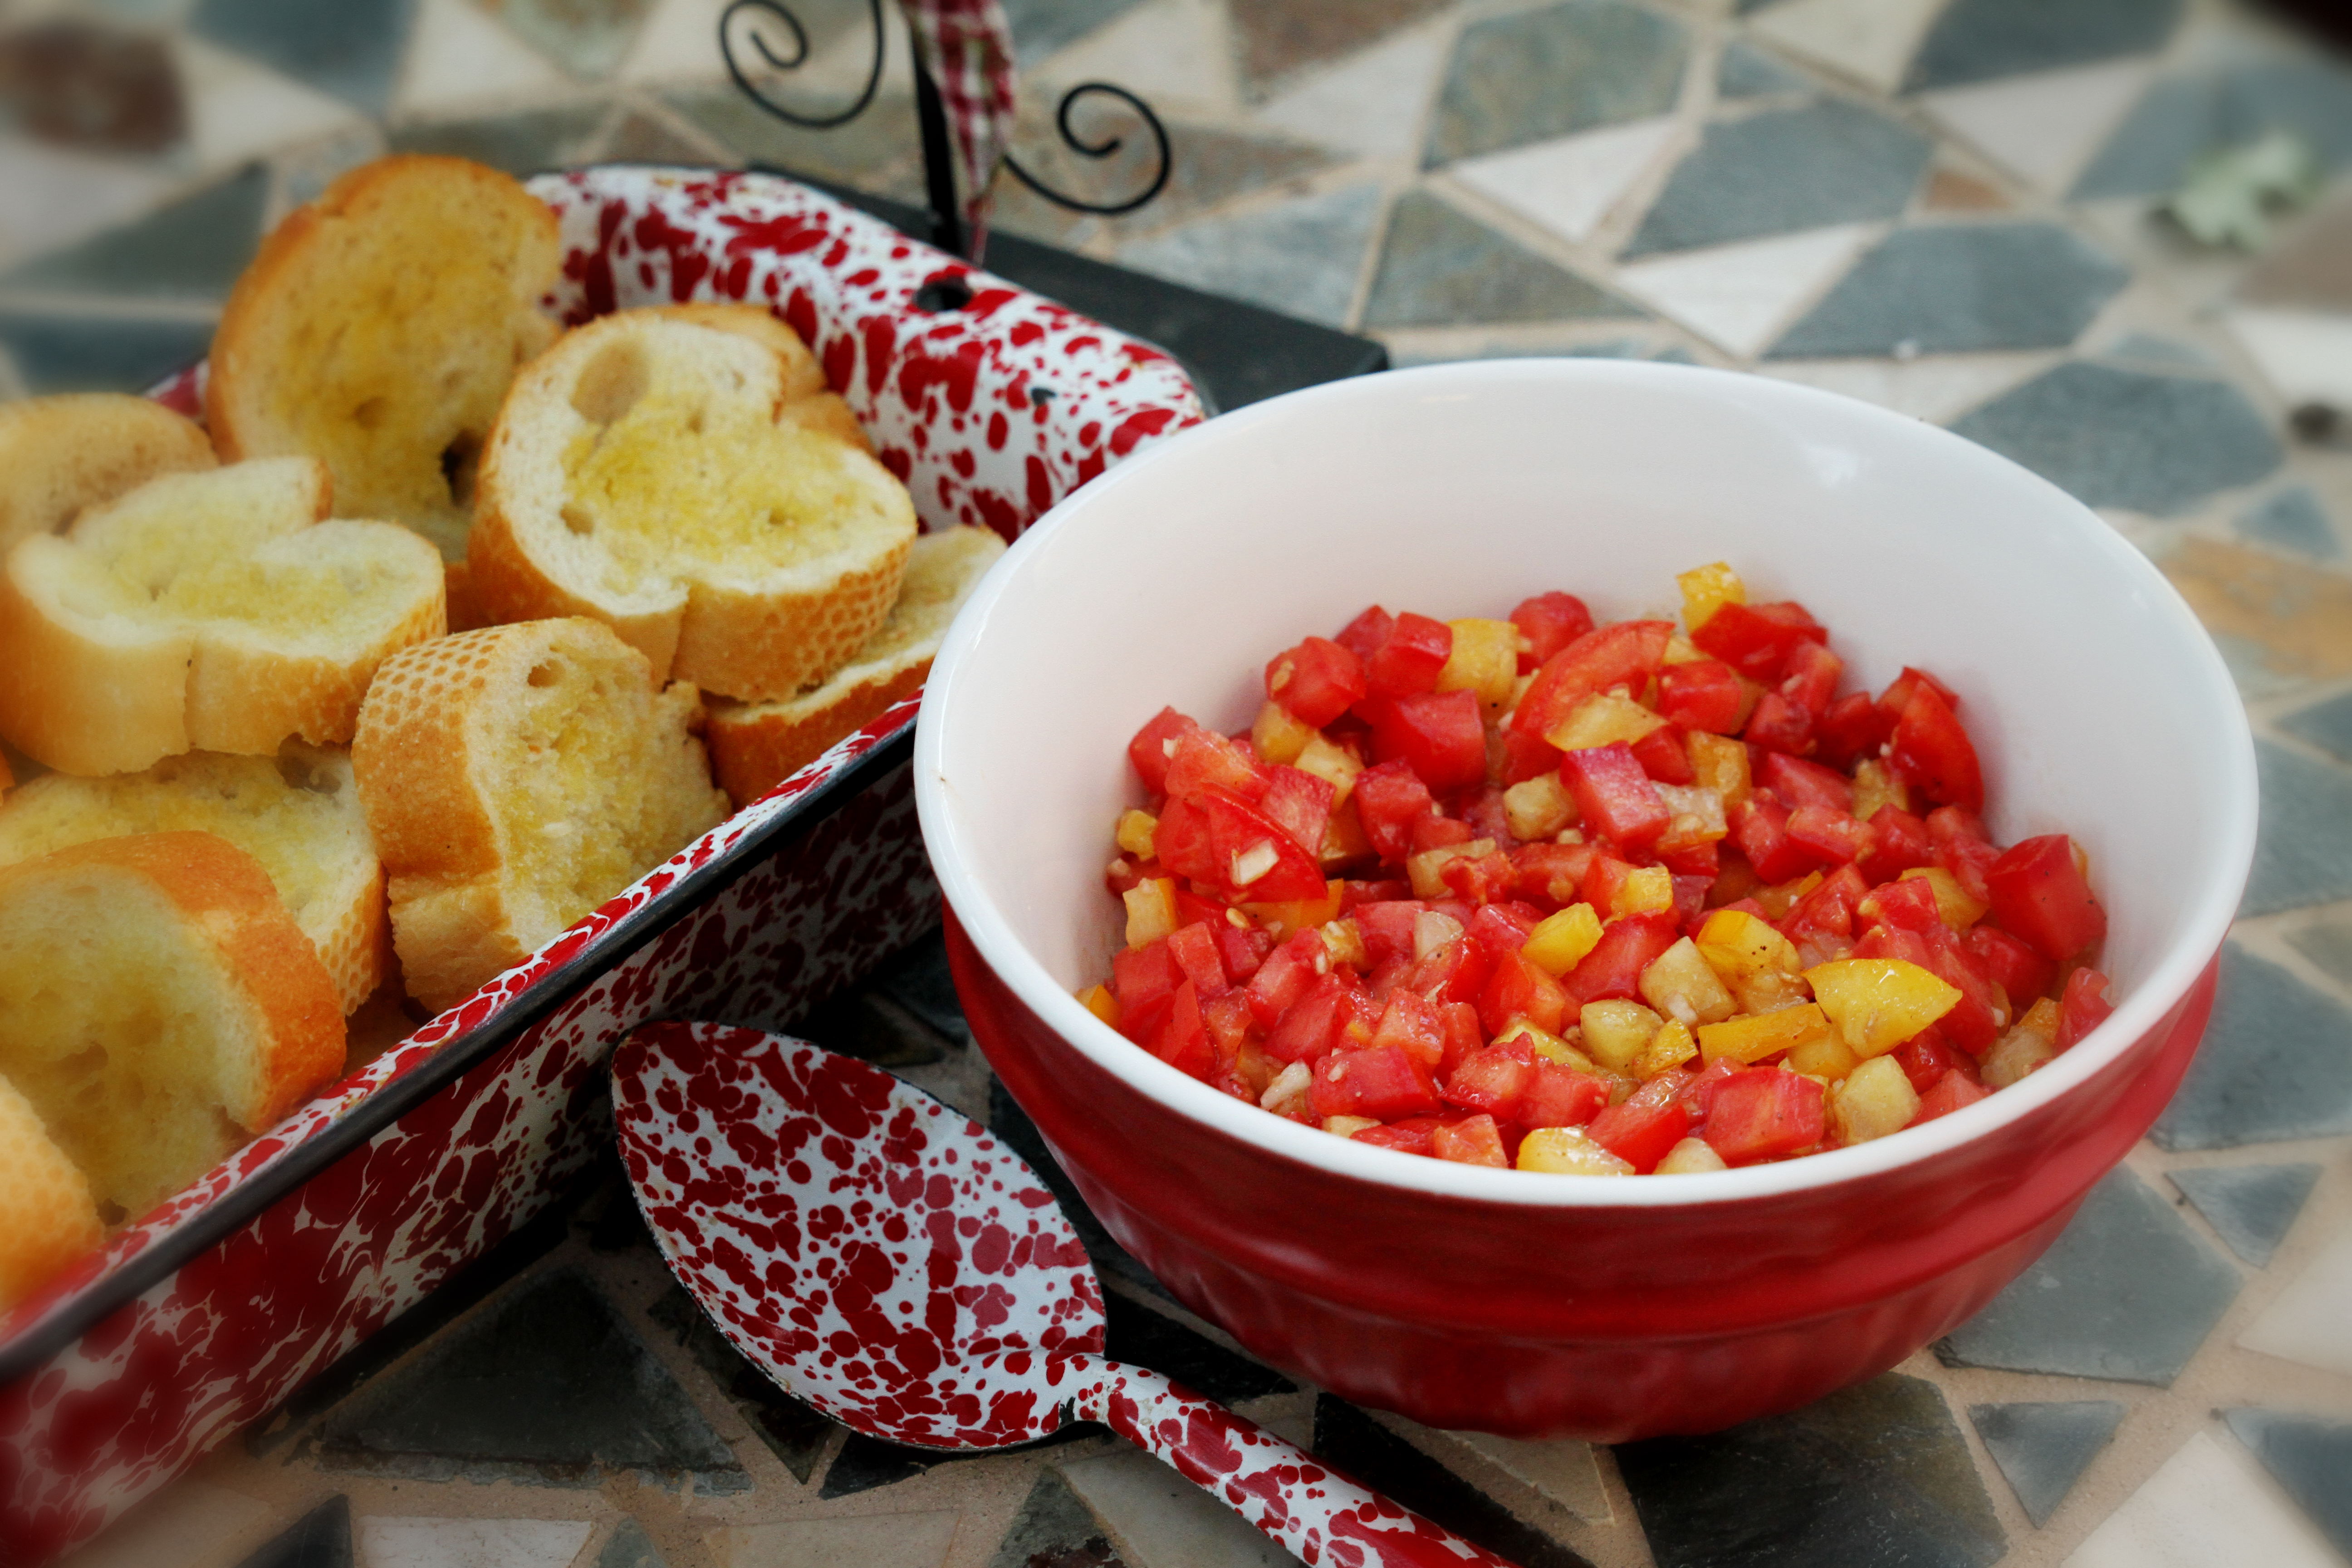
(938, 165)
(799, 57)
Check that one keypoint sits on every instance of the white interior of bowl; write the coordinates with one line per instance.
(2098, 705)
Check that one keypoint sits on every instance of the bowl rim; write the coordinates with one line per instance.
(2167, 983)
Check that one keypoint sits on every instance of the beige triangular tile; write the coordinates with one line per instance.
(1168, 52)
(1159, 1520)
(2307, 1320)
(459, 59)
(237, 109)
(1569, 184)
(680, 42)
(2306, 356)
(1374, 103)
(2203, 1506)
(397, 1542)
(2044, 126)
(1870, 40)
(57, 196)
(1739, 295)
(1564, 1471)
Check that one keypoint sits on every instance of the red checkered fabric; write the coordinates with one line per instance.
(967, 48)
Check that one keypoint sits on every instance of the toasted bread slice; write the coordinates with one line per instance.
(807, 402)
(754, 746)
(515, 778)
(207, 612)
(298, 814)
(378, 330)
(641, 474)
(48, 1218)
(58, 455)
(161, 1006)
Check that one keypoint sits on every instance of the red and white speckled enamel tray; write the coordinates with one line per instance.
(205, 1314)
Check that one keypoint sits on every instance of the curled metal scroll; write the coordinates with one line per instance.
(1103, 149)
(772, 10)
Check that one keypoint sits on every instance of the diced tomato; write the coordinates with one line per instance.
(1800, 782)
(1227, 1020)
(1488, 816)
(1190, 908)
(1757, 640)
(1850, 730)
(1525, 756)
(1549, 874)
(2084, 1007)
(1363, 635)
(1640, 1135)
(1558, 1096)
(1828, 909)
(1410, 1136)
(1386, 926)
(1662, 755)
(1628, 945)
(1382, 1082)
(1243, 949)
(1810, 678)
(1911, 905)
(1411, 1023)
(1312, 1023)
(1473, 1140)
(1614, 795)
(1898, 842)
(1764, 1114)
(1144, 979)
(1519, 989)
(1704, 694)
(1550, 622)
(1389, 799)
(1778, 724)
(1695, 1091)
(1704, 858)
(1182, 1041)
(1931, 753)
(1455, 971)
(1438, 833)
(1952, 1091)
(1149, 753)
(1503, 927)
(1407, 661)
(1897, 694)
(1316, 681)
(1203, 759)
(1299, 803)
(1195, 948)
(2040, 896)
(1249, 856)
(1760, 830)
(1439, 734)
(1605, 879)
(1690, 892)
(1624, 654)
(1478, 880)
(2017, 968)
(1491, 1079)
(1284, 976)
(1827, 834)
(1377, 890)
(1926, 1057)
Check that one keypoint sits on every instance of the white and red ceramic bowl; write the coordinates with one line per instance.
(1532, 1305)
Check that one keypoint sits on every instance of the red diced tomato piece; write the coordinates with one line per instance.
(1473, 1140)
(1810, 678)
(1195, 948)
(1968, 860)
(1952, 1091)
(1910, 905)
(1459, 1023)
(1411, 1023)
(1299, 803)
(1827, 834)
(1483, 809)
(2084, 1007)
(1439, 734)
(1695, 1091)
(1191, 906)
(1502, 928)
(1897, 694)
(1549, 874)
(1525, 756)
(1183, 1041)
(1828, 909)
(1663, 757)
(1143, 979)
(1492, 1081)
(1850, 730)
(1628, 945)
(1227, 1018)
(1931, 753)
(1778, 724)
(1456, 972)
(1313, 1022)
(1155, 744)
(1640, 1135)
(1316, 681)
(1704, 694)
(1438, 833)
(1410, 1136)
(1363, 635)
(1800, 782)
(1389, 799)
(1898, 842)
(1480, 880)
(1760, 830)
(1691, 889)
(1284, 976)
(1387, 928)
(1559, 1096)
(1614, 795)
(1203, 759)
(1764, 1114)
(1407, 662)
(1519, 989)
(2015, 967)
(1757, 640)
(1625, 654)
(1382, 1082)
(1926, 1057)
(1243, 949)
(1550, 622)
(2040, 896)
(1250, 857)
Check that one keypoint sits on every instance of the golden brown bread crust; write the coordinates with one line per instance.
(60, 454)
(377, 330)
(48, 1218)
(808, 401)
(82, 715)
(755, 747)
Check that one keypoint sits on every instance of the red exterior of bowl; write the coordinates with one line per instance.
(1593, 1323)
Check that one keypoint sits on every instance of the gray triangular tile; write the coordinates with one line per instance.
(1441, 268)
(1978, 40)
(193, 248)
(1274, 37)
(588, 40)
(2275, 1063)
(2251, 1206)
(1298, 256)
(1534, 75)
(630, 1547)
(2327, 725)
(320, 1539)
(2043, 1449)
(1784, 171)
(55, 352)
(350, 49)
(2301, 855)
(2312, 1460)
(1747, 72)
(2292, 519)
(1054, 1527)
(1960, 289)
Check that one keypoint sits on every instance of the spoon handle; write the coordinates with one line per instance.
(1312, 1510)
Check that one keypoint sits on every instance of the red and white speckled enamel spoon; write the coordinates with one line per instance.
(892, 1263)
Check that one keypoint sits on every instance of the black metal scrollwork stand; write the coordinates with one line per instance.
(939, 163)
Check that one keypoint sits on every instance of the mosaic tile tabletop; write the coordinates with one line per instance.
(1950, 207)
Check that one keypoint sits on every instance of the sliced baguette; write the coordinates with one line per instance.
(161, 1006)
(48, 1218)
(515, 778)
(58, 455)
(378, 330)
(642, 474)
(298, 814)
(209, 612)
(754, 746)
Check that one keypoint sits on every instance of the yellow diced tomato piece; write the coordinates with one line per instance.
(1681, 984)
(1282, 920)
(1682, 650)
(1538, 807)
(1670, 1047)
(1874, 785)
(1486, 660)
(1150, 910)
(1782, 897)
(1828, 1059)
(1101, 1003)
(1768, 990)
(1343, 837)
(1345, 945)
(1135, 831)
(1756, 1036)
(1600, 718)
(1336, 765)
(1706, 589)
(1648, 889)
(1958, 910)
(1616, 1032)
(1873, 1100)
(2031, 1042)
(1568, 1151)
(1721, 764)
(1278, 736)
(1561, 941)
(1349, 1126)
(1423, 869)
(1547, 1045)
(1737, 943)
(1879, 1003)
(1695, 818)
(1691, 1157)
